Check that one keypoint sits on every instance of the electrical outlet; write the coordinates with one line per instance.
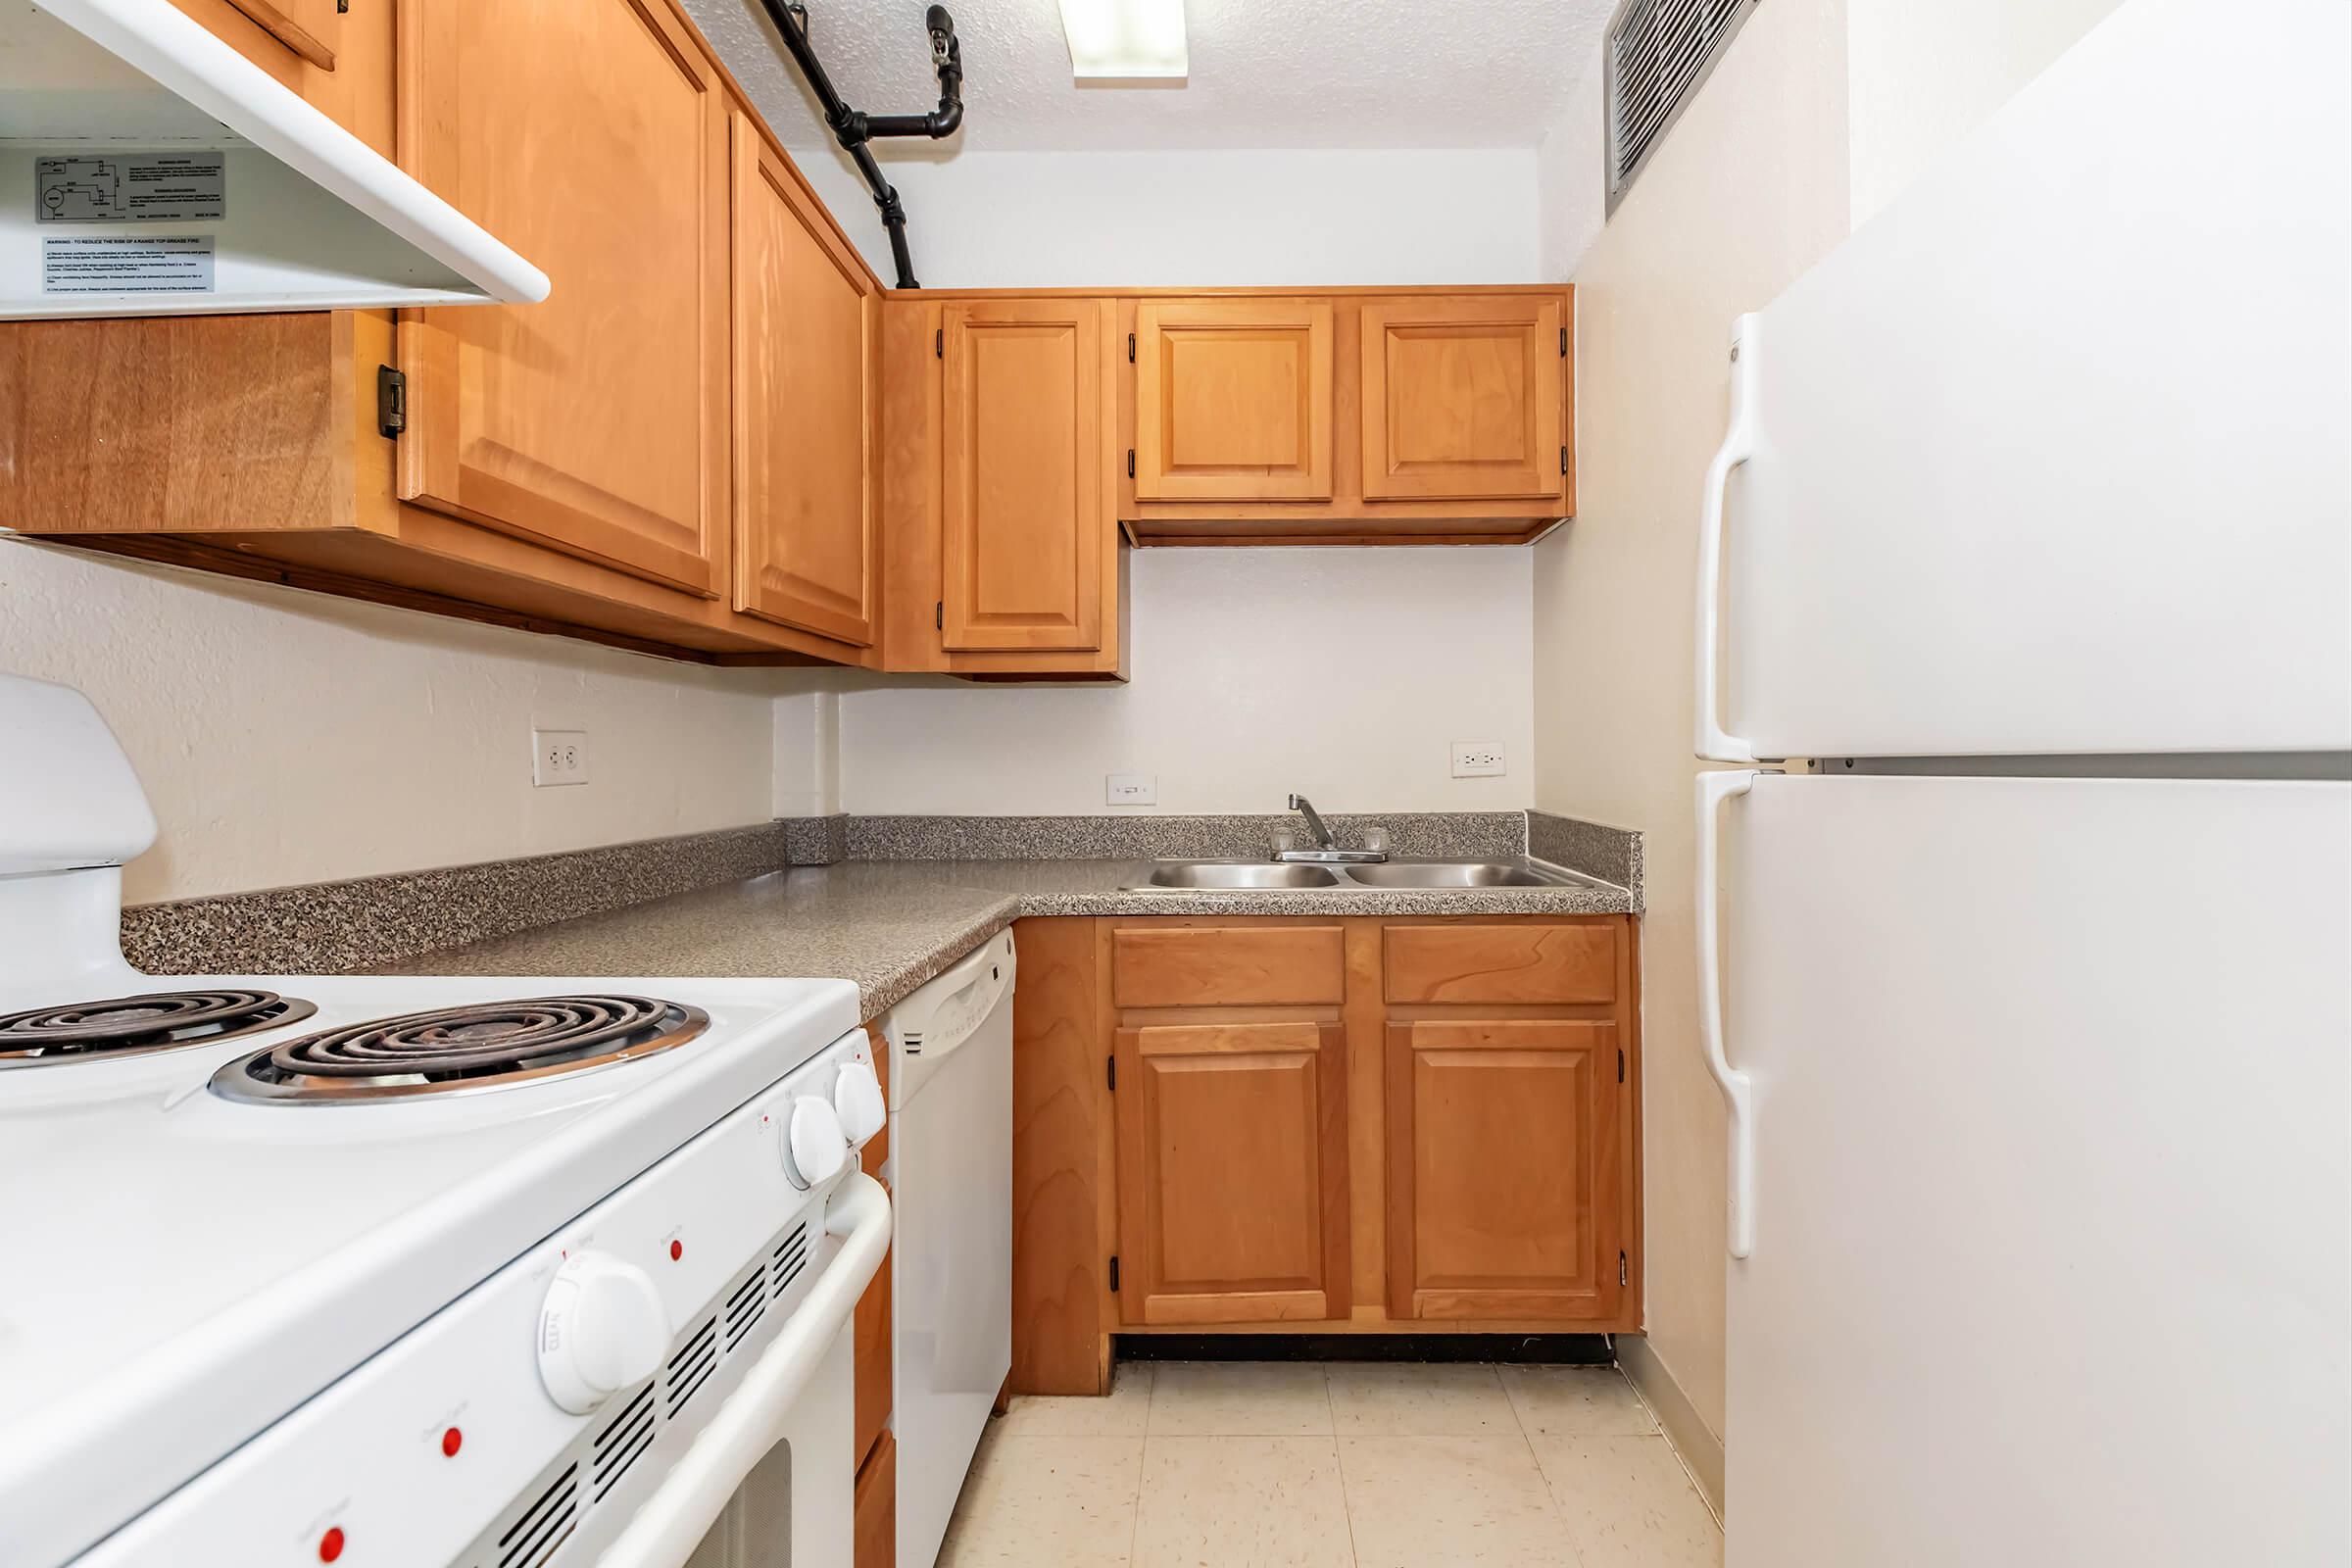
(1477, 758)
(559, 756)
(1131, 789)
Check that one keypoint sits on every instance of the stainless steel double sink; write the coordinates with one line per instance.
(1369, 877)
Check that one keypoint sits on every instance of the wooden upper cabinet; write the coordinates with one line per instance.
(306, 28)
(591, 135)
(1233, 1172)
(806, 407)
(1233, 400)
(1505, 1168)
(1462, 398)
(1025, 511)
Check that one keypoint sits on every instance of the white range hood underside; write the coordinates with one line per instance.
(310, 217)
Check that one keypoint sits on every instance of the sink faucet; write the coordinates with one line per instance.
(1314, 823)
(1326, 850)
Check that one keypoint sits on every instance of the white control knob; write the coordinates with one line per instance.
(858, 1101)
(601, 1329)
(814, 1150)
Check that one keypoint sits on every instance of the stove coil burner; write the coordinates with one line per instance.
(125, 1026)
(459, 1050)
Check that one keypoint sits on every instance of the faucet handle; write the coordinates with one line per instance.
(1297, 802)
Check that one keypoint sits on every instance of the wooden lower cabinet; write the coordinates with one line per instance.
(1283, 1124)
(1505, 1168)
(1233, 1172)
(875, 1542)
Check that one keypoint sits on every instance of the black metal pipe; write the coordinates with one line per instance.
(853, 130)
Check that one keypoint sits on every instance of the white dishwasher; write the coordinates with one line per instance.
(950, 1177)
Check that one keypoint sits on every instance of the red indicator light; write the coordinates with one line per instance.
(677, 1250)
(331, 1544)
(451, 1441)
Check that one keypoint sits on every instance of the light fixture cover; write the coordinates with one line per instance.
(1125, 40)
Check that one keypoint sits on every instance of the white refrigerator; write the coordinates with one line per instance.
(2029, 987)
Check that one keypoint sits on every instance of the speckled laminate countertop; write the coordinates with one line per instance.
(890, 925)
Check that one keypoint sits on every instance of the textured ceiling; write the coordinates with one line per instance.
(1264, 72)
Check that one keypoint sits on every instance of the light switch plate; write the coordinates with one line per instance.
(559, 756)
(1477, 758)
(1131, 789)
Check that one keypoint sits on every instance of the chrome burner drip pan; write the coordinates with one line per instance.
(454, 1050)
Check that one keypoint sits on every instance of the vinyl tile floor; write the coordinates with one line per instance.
(1339, 1465)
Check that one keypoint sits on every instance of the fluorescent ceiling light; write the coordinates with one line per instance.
(1125, 40)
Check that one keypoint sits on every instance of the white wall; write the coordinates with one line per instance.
(288, 737)
(1765, 172)
(1343, 674)
(1184, 219)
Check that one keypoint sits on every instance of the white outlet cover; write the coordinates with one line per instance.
(1477, 759)
(1131, 789)
(559, 756)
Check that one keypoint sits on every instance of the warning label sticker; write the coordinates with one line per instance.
(153, 187)
(127, 264)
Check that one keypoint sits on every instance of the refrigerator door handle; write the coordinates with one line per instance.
(1710, 741)
(1715, 788)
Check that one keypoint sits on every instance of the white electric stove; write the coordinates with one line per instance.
(502, 1273)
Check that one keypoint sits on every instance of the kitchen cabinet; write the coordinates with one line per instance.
(595, 422)
(874, 1508)
(1233, 1171)
(612, 463)
(1001, 552)
(807, 407)
(1233, 398)
(1462, 399)
(1347, 415)
(1388, 1124)
(1503, 1168)
(869, 1334)
(278, 35)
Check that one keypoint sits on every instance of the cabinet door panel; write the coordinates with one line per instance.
(806, 408)
(1505, 1168)
(1233, 1172)
(1024, 508)
(1233, 400)
(1462, 399)
(590, 135)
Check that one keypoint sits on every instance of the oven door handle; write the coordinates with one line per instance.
(675, 1519)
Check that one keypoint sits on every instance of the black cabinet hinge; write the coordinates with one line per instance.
(939, 343)
(1563, 342)
(1131, 348)
(1114, 1273)
(1621, 1268)
(1621, 1066)
(1131, 463)
(939, 614)
(391, 400)
(1110, 1071)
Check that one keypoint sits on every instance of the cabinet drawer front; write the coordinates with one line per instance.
(1233, 1192)
(1503, 1168)
(1233, 400)
(1519, 961)
(1462, 399)
(1214, 966)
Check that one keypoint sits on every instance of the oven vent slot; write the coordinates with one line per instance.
(626, 1437)
(746, 1307)
(544, 1526)
(790, 1258)
(691, 1367)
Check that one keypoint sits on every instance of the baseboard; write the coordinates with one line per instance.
(1700, 1449)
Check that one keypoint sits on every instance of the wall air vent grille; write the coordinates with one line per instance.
(692, 1366)
(790, 1257)
(1659, 52)
(544, 1525)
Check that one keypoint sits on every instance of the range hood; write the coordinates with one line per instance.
(148, 168)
